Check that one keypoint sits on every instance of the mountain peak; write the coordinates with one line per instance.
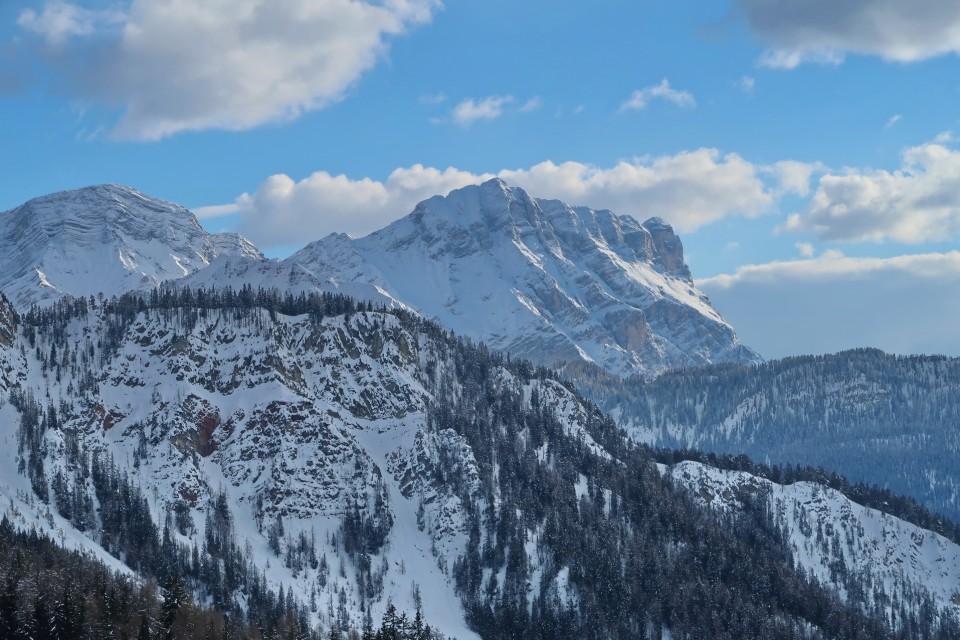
(106, 238)
(540, 279)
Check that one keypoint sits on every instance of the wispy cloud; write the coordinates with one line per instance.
(490, 108)
(434, 98)
(533, 104)
(894, 119)
(831, 302)
(641, 98)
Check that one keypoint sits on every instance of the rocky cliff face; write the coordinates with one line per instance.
(105, 239)
(540, 279)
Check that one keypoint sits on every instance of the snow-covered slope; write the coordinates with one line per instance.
(839, 542)
(287, 276)
(299, 423)
(314, 431)
(540, 279)
(104, 239)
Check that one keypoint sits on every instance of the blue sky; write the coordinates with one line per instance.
(804, 151)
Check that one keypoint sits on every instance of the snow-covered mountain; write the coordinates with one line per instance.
(842, 543)
(104, 239)
(540, 279)
(356, 458)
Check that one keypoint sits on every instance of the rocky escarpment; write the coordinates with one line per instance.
(540, 279)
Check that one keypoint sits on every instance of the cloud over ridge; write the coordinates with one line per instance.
(690, 189)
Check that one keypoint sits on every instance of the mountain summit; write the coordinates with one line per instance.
(541, 279)
(103, 239)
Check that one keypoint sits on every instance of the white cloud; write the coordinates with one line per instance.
(944, 137)
(179, 65)
(894, 119)
(216, 211)
(490, 108)
(832, 302)
(823, 31)
(747, 84)
(805, 249)
(60, 21)
(782, 59)
(283, 212)
(794, 177)
(919, 202)
(641, 98)
(532, 104)
(689, 190)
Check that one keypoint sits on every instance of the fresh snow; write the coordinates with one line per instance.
(830, 535)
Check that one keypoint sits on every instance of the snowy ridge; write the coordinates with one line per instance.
(298, 423)
(835, 539)
(540, 279)
(105, 239)
(289, 277)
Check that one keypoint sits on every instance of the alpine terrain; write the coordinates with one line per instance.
(105, 239)
(882, 419)
(539, 279)
(306, 448)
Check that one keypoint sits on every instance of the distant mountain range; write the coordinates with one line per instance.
(892, 421)
(537, 278)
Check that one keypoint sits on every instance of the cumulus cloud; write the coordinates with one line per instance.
(919, 202)
(832, 302)
(178, 65)
(282, 211)
(641, 98)
(490, 108)
(823, 31)
(689, 189)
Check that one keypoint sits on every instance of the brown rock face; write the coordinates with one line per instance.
(206, 419)
(667, 248)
